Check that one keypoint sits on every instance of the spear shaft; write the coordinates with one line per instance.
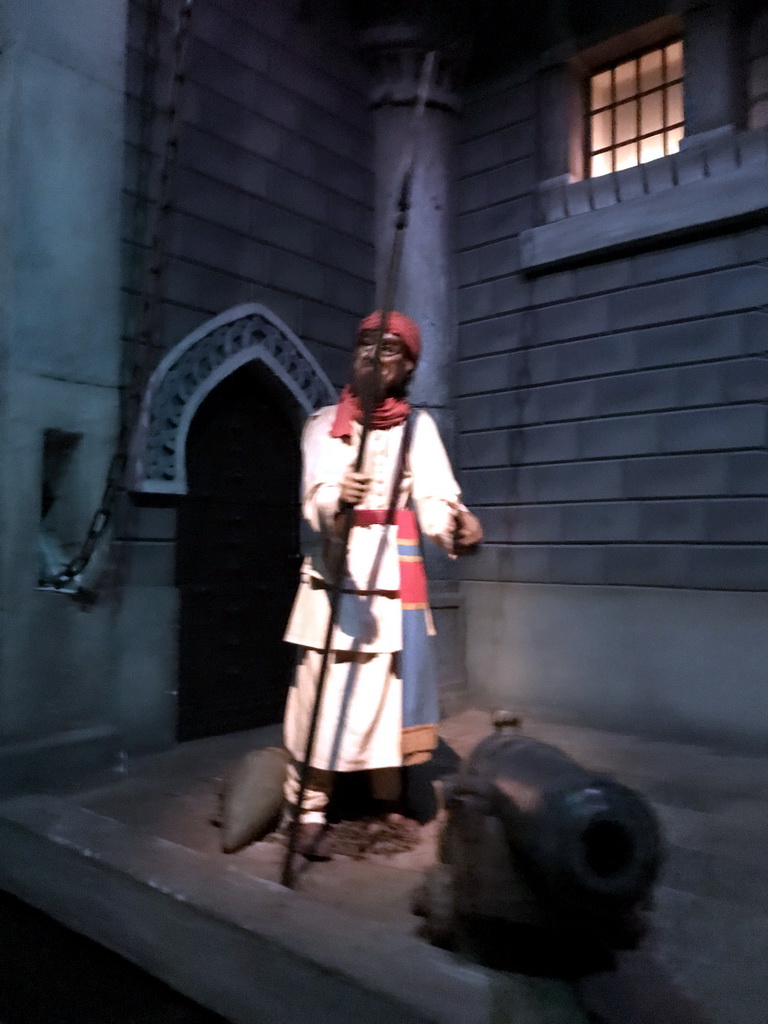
(368, 403)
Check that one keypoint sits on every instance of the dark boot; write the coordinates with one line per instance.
(312, 841)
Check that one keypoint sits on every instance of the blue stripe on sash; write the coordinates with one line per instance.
(418, 671)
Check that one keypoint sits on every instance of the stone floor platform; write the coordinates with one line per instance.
(132, 859)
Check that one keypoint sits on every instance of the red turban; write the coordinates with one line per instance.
(398, 324)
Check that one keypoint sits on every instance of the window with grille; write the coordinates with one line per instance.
(636, 110)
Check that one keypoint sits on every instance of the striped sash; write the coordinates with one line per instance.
(418, 670)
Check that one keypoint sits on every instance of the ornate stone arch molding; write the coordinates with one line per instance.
(193, 368)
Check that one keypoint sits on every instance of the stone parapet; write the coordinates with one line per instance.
(723, 175)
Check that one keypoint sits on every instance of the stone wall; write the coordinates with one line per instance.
(612, 427)
(612, 415)
(274, 188)
(272, 199)
(61, 92)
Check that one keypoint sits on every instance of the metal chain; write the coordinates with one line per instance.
(156, 262)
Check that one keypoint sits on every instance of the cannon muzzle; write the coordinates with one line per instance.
(534, 840)
(585, 840)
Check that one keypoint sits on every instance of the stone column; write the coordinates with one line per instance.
(426, 286)
(426, 289)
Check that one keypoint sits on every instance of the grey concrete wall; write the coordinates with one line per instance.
(677, 664)
(61, 155)
(613, 435)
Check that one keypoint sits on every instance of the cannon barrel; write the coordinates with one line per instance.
(584, 840)
(543, 863)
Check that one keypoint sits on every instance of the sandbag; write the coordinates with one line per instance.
(252, 798)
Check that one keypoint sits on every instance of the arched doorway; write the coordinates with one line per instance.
(237, 556)
(250, 365)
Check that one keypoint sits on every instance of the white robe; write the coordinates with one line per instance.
(365, 697)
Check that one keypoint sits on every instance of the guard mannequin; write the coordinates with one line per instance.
(379, 705)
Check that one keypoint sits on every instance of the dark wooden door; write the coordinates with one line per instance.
(237, 559)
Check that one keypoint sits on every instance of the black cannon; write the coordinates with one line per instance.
(539, 857)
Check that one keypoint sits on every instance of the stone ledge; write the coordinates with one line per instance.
(52, 760)
(664, 215)
(701, 186)
(242, 946)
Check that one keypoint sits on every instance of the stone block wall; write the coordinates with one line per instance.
(272, 202)
(612, 414)
(273, 192)
(612, 428)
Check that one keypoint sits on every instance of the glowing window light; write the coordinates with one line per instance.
(636, 110)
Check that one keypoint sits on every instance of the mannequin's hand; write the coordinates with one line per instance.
(354, 488)
(468, 532)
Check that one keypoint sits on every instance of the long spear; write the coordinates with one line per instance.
(368, 402)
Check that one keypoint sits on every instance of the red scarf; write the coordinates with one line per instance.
(389, 413)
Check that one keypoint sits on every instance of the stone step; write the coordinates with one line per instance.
(740, 834)
(240, 945)
(716, 951)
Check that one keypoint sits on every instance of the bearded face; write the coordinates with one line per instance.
(395, 367)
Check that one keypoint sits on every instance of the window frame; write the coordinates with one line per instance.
(588, 112)
(720, 171)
